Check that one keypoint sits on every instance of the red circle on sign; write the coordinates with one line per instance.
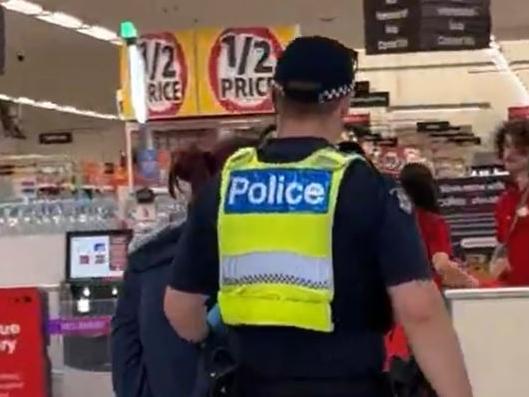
(258, 66)
(170, 72)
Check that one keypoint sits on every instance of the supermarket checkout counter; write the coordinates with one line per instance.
(95, 264)
(493, 327)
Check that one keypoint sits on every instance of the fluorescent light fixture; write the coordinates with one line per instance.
(60, 108)
(138, 84)
(61, 19)
(23, 7)
(26, 101)
(99, 32)
(48, 105)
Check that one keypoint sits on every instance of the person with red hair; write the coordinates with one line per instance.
(148, 357)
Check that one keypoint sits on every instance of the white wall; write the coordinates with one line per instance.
(93, 139)
(88, 145)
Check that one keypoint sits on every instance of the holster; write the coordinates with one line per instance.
(407, 379)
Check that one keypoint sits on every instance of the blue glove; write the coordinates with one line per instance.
(215, 321)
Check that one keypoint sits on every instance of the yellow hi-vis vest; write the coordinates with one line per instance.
(275, 240)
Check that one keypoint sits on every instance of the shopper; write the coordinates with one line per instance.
(419, 183)
(148, 358)
(302, 244)
(511, 262)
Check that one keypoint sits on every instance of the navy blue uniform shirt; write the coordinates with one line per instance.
(376, 245)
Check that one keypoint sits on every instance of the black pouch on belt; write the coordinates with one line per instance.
(216, 373)
(408, 380)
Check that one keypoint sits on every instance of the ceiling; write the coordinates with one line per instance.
(72, 69)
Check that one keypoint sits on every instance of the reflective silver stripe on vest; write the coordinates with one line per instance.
(277, 268)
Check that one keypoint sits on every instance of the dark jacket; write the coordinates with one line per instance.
(148, 358)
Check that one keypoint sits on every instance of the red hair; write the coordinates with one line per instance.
(197, 166)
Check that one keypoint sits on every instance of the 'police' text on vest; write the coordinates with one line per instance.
(278, 191)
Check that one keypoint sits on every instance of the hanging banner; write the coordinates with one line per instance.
(170, 75)
(238, 65)
(23, 368)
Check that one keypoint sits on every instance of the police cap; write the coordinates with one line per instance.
(315, 70)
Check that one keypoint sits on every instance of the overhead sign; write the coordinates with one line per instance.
(362, 87)
(23, 368)
(55, 138)
(238, 65)
(519, 113)
(399, 26)
(371, 99)
(433, 126)
(358, 119)
(170, 75)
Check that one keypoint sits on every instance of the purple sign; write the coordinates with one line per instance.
(79, 325)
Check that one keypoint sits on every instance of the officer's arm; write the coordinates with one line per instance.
(416, 300)
(420, 309)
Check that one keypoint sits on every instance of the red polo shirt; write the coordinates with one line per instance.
(518, 244)
(435, 234)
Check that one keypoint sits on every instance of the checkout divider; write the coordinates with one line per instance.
(493, 327)
(65, 334)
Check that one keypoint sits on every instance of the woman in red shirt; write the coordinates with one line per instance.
(512, 142)
(419, 184)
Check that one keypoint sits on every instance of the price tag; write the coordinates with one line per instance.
(241, 66)
(167, 74)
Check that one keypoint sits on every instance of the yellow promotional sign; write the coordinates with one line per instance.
(236, 67)
(170, 67)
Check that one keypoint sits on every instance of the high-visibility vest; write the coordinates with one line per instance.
(275, 240)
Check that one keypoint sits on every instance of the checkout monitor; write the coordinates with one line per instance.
(97, 255)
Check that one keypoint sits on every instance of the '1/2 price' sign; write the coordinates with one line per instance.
(241, 66)
(166, 72)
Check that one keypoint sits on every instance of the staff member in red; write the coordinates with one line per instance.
(512, 210)
(419, 184)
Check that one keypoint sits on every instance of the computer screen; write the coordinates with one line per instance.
(97, 255)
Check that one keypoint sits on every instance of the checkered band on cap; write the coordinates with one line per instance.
(336, 93)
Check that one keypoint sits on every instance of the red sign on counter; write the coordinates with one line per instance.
(22, 346)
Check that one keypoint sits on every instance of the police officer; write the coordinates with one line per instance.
(307, 250)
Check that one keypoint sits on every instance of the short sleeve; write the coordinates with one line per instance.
(400, 250)
(439, 237)
(195, 267)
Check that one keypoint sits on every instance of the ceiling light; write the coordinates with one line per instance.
(53, 106)
(25, 101)
(23, 7)
(62, 19)
(99, 32)
(47, 105)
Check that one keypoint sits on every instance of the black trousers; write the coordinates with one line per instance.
(313, 388)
